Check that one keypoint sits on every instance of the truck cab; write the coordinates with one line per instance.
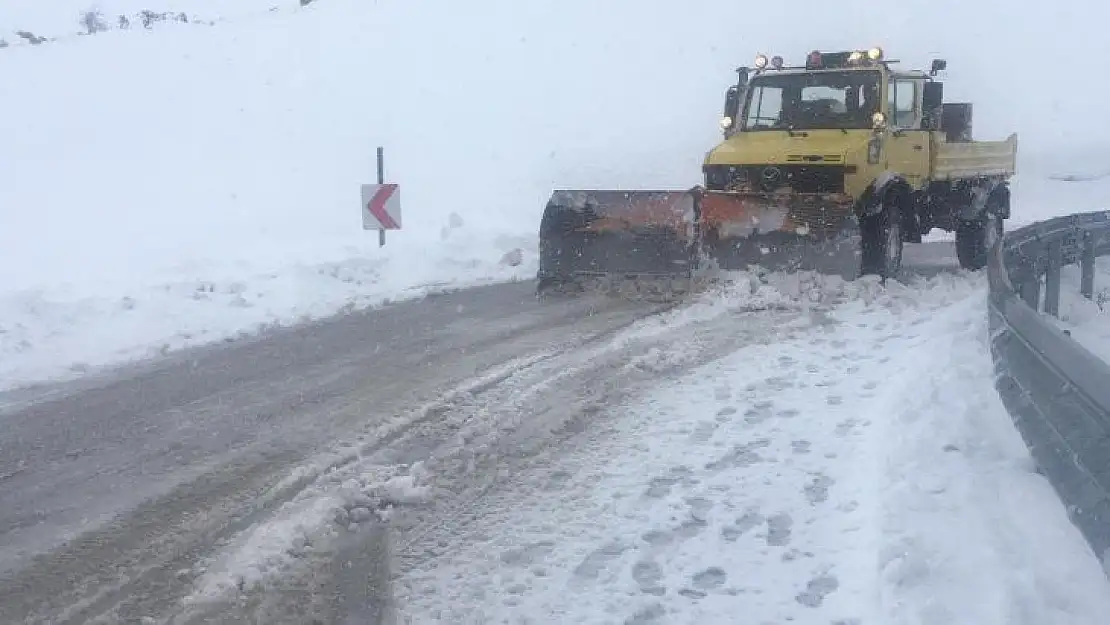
(848, 140)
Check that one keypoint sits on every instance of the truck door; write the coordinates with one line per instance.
(907, 143)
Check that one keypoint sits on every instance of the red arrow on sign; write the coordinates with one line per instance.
(376, 206)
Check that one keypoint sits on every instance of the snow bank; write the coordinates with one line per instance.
(68, 330)
(972, 534)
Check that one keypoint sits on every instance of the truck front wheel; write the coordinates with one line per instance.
(882, 240)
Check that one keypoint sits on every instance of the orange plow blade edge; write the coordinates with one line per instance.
(617, 233)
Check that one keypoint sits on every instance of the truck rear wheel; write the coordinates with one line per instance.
(882, 240)
(972, 244)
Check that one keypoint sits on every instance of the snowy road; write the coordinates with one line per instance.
(209, 433)
(502, 440)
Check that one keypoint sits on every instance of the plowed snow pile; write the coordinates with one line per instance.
(859, 472)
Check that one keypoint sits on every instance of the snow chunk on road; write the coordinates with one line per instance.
(350, 495)
(403, 489)
(863, 472)
(295, 530)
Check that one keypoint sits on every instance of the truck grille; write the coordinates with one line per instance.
(770, 178)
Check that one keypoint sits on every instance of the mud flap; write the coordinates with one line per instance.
(625, 234)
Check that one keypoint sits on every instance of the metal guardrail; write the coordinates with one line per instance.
(1056, 391)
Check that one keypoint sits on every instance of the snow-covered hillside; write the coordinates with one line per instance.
(55, 20)
(190, 182)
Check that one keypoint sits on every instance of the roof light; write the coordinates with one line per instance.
(726, 122)
(776, 62)
(761, 61)
(875, 54)
(855, 57)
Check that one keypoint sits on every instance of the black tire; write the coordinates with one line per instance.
(882, 240)
(972, 244)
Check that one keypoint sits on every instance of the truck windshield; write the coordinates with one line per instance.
(812, 101)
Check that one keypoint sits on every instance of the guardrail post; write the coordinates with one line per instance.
(1087, 266)
(1052, 278)
(1029, 289)
(381, 180)
(1030, 292)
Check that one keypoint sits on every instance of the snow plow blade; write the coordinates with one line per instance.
(656, 242)
(789, 232)
(637, 235)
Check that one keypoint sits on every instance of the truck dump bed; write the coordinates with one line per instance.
(972, 159)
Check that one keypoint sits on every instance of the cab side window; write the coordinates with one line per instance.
(904, 111)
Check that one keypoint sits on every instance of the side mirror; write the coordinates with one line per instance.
(732, 102)
(939, 65)
(933, 96)
(733, 96)
(732, 110)
(931, 100)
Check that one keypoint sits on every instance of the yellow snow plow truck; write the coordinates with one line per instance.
(829, 166)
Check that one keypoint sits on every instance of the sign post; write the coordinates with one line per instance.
(381, 203)
(381, 180)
